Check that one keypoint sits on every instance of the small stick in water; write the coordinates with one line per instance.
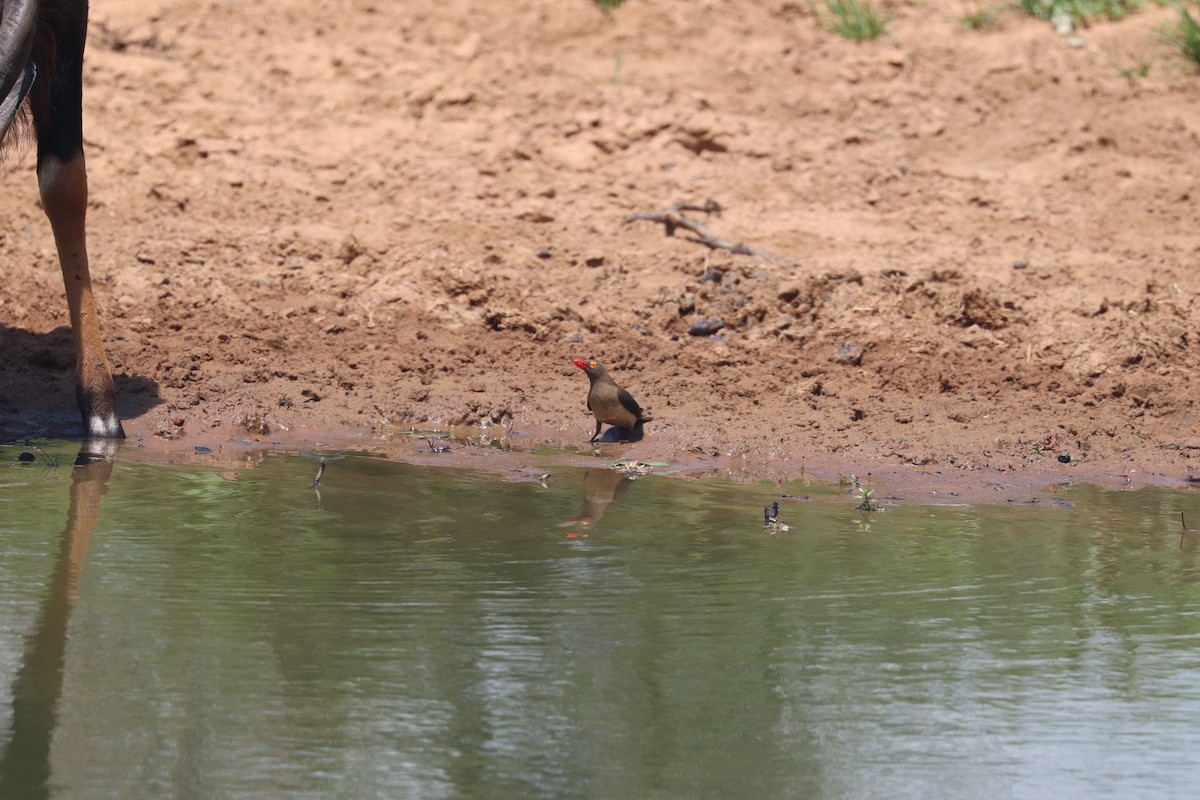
(316, 484)
(1183, 529)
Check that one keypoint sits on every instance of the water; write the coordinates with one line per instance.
(197, 631)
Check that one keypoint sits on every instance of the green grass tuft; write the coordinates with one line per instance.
(1185, 33)
(857, 19)
(981, 17)
(1139, 69)
(1078, 10)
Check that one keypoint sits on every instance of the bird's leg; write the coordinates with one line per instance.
(597, 433)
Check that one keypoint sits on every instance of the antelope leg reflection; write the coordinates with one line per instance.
(25, 759)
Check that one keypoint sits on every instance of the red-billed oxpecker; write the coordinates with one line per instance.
(41, 64)
(608, 402)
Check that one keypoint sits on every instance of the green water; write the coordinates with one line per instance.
(187, 632)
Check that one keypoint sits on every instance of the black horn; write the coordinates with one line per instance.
(17, 27)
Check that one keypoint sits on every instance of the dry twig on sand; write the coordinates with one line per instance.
(672, 218)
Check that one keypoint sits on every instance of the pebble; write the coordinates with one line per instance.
(850, 354)
(705, 326)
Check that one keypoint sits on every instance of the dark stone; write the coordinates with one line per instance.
(851, 354)
(705, 326)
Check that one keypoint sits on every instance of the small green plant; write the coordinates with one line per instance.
(1139, 70)
(1044, 447)
(1078, 10)
(1184, 34)
(609, 4)
(868, 503)
(859, 20)
(980, 17)
(1131, 63)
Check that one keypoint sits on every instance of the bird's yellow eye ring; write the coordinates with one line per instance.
(592, 364)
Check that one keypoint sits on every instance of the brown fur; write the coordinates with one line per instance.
(54, 103)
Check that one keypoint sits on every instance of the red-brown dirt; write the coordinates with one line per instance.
(345, 220)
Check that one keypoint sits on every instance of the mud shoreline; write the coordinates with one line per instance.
(347, 220)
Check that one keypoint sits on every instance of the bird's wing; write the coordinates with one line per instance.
(629, 403)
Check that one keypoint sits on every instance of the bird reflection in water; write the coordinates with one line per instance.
(600, 488)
